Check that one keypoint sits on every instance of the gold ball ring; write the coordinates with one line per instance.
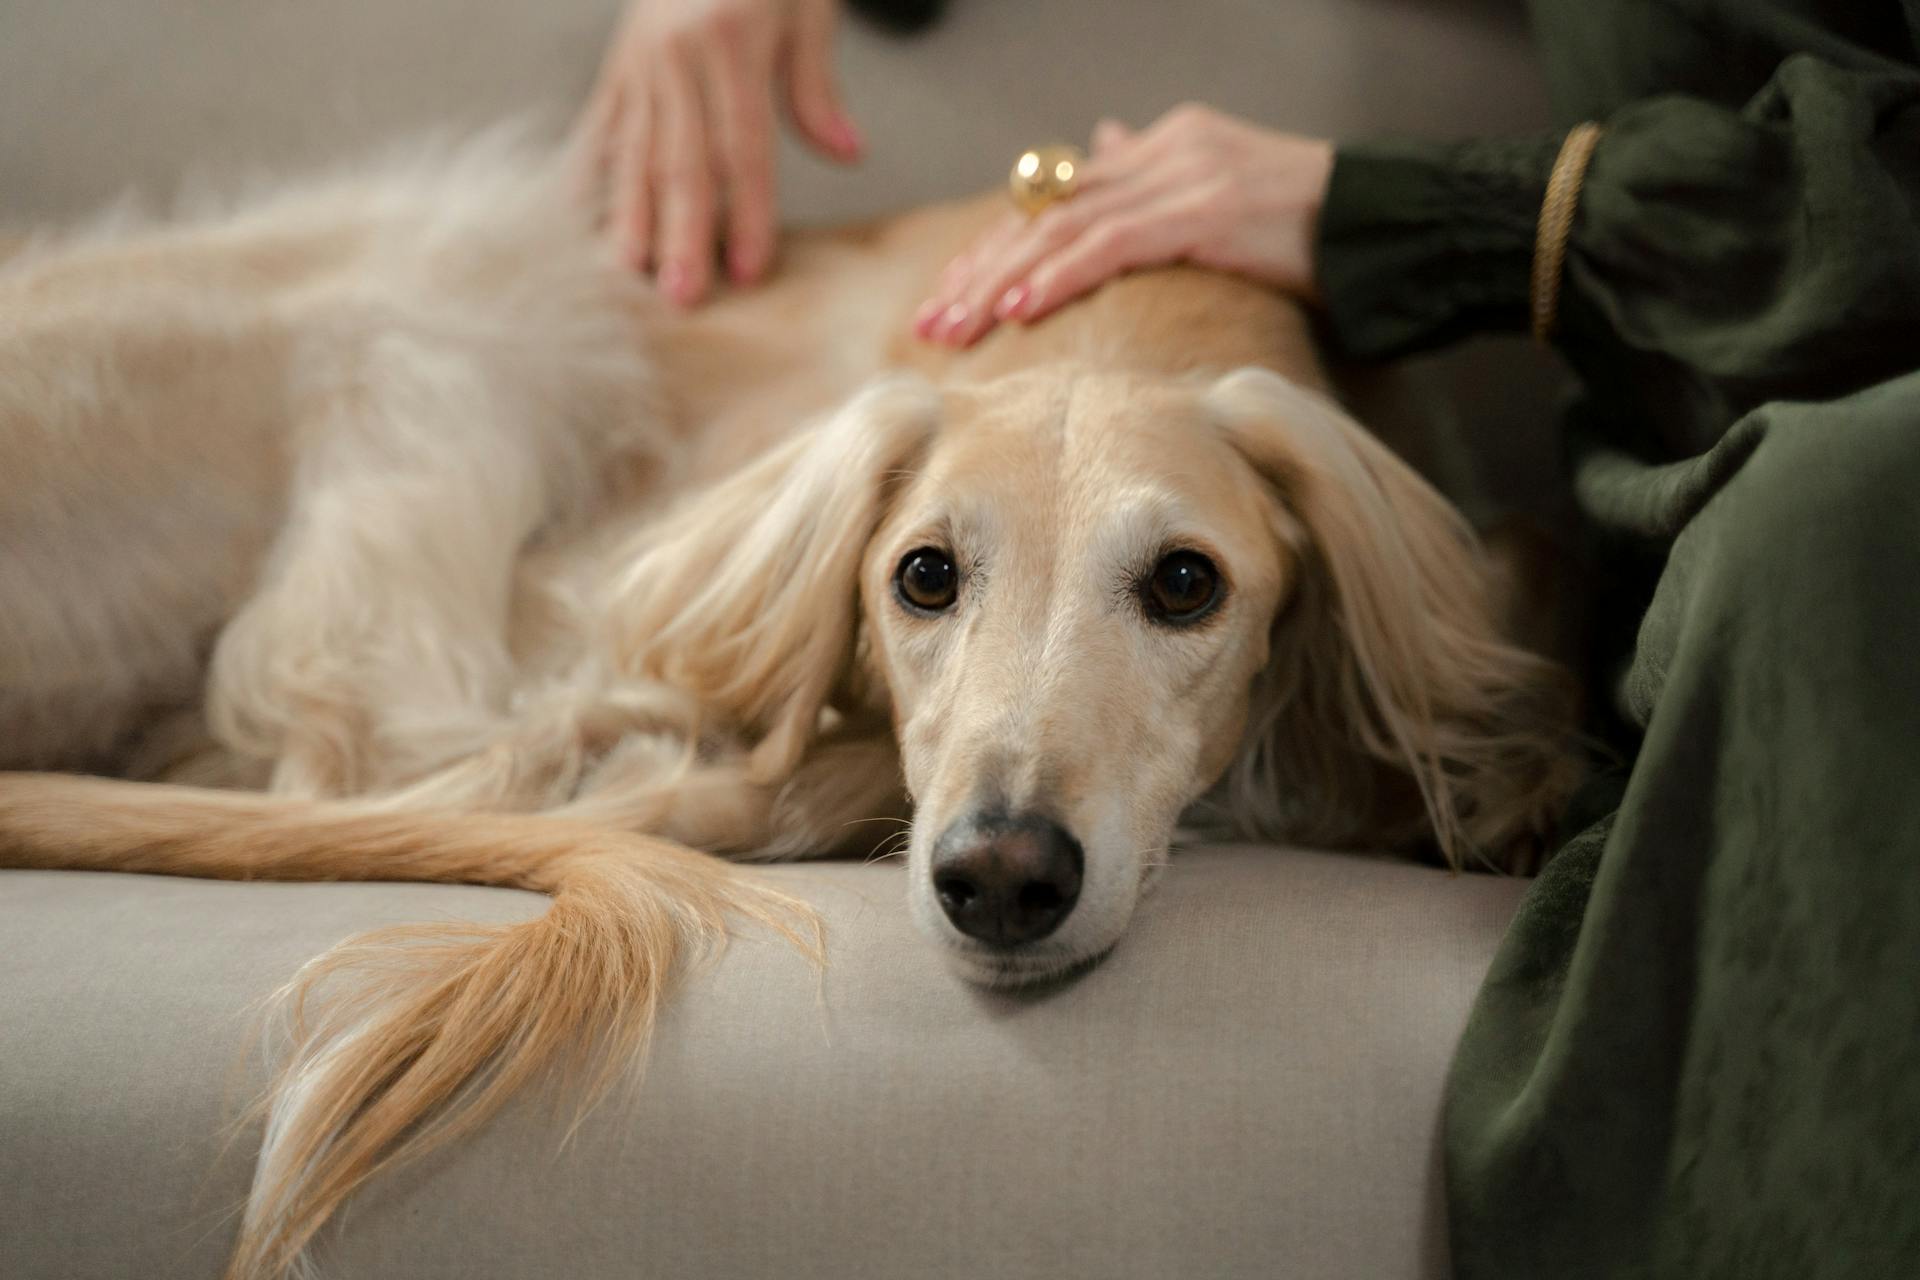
(1044, 176)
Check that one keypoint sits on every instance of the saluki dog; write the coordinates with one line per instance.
(379, 528)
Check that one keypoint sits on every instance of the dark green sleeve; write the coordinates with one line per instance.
(1728, 255)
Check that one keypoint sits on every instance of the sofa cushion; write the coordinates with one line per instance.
(1249, 1085)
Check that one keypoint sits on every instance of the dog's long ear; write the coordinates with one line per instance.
(1389, 668)
(746, 598)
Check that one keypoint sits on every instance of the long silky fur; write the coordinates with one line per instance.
(404, 1038)
(1395, 674)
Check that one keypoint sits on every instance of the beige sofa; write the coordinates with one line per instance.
(1249, 1086)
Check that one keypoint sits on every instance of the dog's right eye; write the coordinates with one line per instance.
(1183, 589)
(927, 581)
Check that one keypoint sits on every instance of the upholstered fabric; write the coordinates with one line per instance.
(1248, 1086)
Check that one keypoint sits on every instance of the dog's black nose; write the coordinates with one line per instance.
(1007, 880)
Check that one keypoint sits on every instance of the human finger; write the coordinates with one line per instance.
(683, 185)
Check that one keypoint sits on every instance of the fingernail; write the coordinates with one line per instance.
(952, 320)
(923, 319)
(744, 265)
(674, 282)
(1011, 301)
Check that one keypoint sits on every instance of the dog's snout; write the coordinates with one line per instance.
(1007, 880)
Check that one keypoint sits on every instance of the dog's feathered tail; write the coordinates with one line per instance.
(421, 1031)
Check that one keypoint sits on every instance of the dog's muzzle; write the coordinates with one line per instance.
(1007, 880)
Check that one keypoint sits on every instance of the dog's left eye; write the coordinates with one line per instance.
(1183, 588)
(927, 580)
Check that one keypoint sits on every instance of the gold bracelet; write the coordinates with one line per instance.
(1556, 221)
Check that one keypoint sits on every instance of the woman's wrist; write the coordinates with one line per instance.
(1315, 165)
(1422, 242)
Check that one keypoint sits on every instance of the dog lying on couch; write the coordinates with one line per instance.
(395, 534)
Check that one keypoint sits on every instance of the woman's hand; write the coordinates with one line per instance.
(1198, 186)
(679, 135)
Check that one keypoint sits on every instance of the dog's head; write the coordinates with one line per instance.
(1094, 603)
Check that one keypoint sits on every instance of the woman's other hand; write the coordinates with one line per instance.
(678, 138)
(1198, 186)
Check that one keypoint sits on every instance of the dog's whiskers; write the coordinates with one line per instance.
(894, 846)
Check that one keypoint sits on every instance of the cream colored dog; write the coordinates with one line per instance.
(410, 540)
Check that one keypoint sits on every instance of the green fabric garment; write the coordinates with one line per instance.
(1721, 256)
(1698, 1052)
